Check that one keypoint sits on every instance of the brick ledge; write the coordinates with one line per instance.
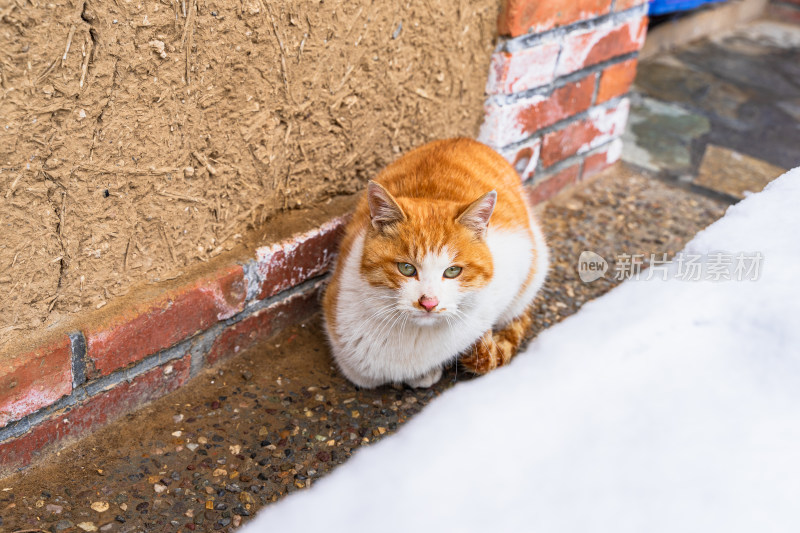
(73, 381)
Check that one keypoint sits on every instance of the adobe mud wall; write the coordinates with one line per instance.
(140, 139)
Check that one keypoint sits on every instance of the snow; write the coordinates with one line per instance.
(661, 406)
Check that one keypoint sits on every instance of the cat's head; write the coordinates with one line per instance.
(429, 255)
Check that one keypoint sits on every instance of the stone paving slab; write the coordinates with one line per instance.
(744, 84)
(279, 416)
(735, 174)
(660, 136)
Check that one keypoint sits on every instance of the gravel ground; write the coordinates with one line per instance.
(278, 417)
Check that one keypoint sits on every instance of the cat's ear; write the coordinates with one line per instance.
(476, 216)
(383, 208)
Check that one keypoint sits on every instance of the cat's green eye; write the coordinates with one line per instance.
(452, 272)
(406, 269)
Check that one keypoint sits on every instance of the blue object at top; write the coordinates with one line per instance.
(662, 7)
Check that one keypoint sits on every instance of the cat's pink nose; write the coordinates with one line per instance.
(428, 303)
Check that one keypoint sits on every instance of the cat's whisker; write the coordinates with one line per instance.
(391, 325)
(450, 319)
(481, 338)
(403, 325)
(456, 317)
(375, 297)
(459, 315)
(463, 319)
(451, 326)
(379, 320)
(380, 307)
(378, 315)
(381, 326)
(379, 311)
(385, 325)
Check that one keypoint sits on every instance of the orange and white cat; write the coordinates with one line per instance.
(441, 259)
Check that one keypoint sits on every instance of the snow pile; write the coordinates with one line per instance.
(662, 406)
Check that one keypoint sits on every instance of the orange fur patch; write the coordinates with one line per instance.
(496, 349)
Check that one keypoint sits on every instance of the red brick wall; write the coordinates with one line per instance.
(556, 95)
(74, 383)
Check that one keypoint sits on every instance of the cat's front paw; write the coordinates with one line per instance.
(426, 380)
(484, 355)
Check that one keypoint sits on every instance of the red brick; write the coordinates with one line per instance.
(564, 102)
(598, 128)
(549, 187)
(291, 262)
(622, 5)
(164, 321)
(582, 48)
(601, 160)
(785, 13)
(82, 419)
(515, 122)
(34, 379)
(616, 80)
(513, 72)
(263, 324)
(524, 158)
(518, 17)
